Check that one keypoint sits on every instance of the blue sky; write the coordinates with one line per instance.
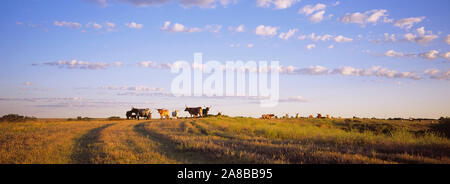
(351, 58)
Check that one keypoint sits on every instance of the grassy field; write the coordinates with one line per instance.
(223, 140)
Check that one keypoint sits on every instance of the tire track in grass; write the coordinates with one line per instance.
(88, 147)
(169, 148)
(124, 146)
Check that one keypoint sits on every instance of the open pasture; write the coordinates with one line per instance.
(223, 140)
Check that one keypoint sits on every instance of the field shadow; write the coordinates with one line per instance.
(85, 151)
(169, 148)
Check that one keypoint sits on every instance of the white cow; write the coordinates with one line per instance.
(175, 114)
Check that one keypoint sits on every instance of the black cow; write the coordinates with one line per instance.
(142, 113)
(205, 111)
(129, 114)
(194, 111)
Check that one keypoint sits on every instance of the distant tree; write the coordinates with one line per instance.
(17, 118)
(443, 126)
(114, 118)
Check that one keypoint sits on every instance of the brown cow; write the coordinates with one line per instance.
(164, 113)
(267, 116)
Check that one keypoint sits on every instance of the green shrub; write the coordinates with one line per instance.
(443, 127)
(112, 118)
(17, 118)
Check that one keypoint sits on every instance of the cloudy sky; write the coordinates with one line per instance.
(347, 58)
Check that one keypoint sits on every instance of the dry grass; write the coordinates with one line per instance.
(222, 140)
(43, 141)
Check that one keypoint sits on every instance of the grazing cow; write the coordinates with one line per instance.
(142, 113)
(205, 111)
(164, 113)
(267, 116)
(128, 114)
(319, 116)
(175, 114)
(194, 111)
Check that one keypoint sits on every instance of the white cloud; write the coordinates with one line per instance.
(392, 53)
(421, 30)
(331, 46)
(183, 3)
(312, 70)
(94, 25)
(213, 28)
(133, 88)
(264, 31)
(408, 23)
(293, 99)
(287, 35)
(205, 3)
(432, 54)
(152, 64)
(134, 25)
(178, 28)
(234, 45)
(147, 64)
(325, 37)
(100, 2)
(436, 74)
(447, 39)
(375, 71)
(421, 38)
(77, 64)
(238, 29)
(74, 25)
(110, 26)
(227, 2)
(317, 17)
(376, 15)
(426, 39)
(250, 45)
(372, 16)
(301, 37)
(410, 37)
(310, 46)
(389, 38)
(309, 9)
(315, 12)
(446, 55)
(342, 39)
(278, 4)
(357, 17)
(336, 3)
(145, 3)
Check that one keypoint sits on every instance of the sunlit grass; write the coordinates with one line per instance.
(222, 140)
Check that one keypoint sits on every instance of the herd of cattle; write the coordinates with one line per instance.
(196, 112)
(319, 116)
(135, 113)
